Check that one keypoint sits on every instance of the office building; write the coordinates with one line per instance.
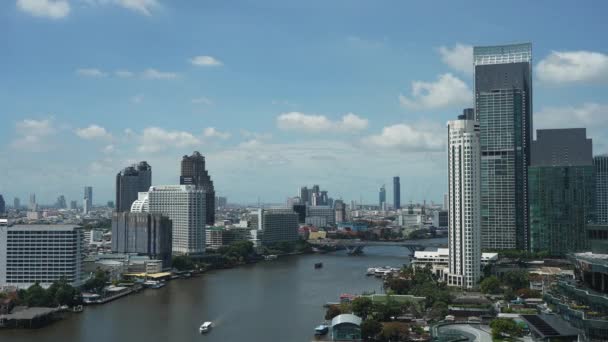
(464, 203)
(503, 108)
(597, 238)
(41, 254)
(445, 201)
(303, 194)
(601, 188)
(221, 202)
(216, 237)
(275, 225)
(143, 233)
(32, 203)
(562, 190)
(396, 192)
(382, 197)
(16, 203)
(88, 199)
(443, 219)
(73, 205)
(340, 209)
(130, 181)
(323, 211)
(185, 206)
(193, 173)
(61, 202)
(2, 205)
(300, 209)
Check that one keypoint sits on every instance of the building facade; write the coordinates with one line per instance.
(503, 108)
(464, 182)
(340, 209)
(396, 192)
(275, 225)
(324, 211)
(185, 206)
(130, 181)
(193, 173)
(601, 188)
(562, 191)
(143, 233)
(88, 199)
(41, 254)
(382, 197)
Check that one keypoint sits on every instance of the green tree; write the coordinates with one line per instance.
(439, 310)
(370, 328)
(362, 306)
(332, 311)
(182, 263)
(502, 326)
(97, 282)
(37, 296)
(516, 279)
(490, 285)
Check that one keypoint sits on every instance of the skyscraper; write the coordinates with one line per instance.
(382, 197)
(2, 205)
(396, 192)
(16, 203)
(340, 209)
(464, 182)
(304, 199)
(32, 205)
(61, 202)
(88, 199)
(601, 188)
(131, 180)
(503, 108)
(193, 172)
(562, 190)
(185, 206)
(73, 205)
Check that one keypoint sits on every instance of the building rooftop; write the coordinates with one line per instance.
(346, 318)
(549, 326)
(44, 227)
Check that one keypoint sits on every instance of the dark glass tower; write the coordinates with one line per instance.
(601, 188)
(382, 196)
(562, 191)
(503, 108)
(396, 192)
(2, 205)
(193, 172)
(130, 181)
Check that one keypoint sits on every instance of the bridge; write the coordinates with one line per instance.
(355, 246)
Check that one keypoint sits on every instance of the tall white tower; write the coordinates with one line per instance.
(464, 200)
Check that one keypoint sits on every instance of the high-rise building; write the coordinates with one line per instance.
(340, 209)
(503, 108)
(88, 199)
(142, 233)
(185, 206)
(16, 203)
(300, 209)
(445, 201)
(562, 190)
(2, 205)
(275, 225)
(61, 202)
(464, 184)
(304, 195)
(32, 205)
(324, 211)
(396, 192)
(601, 188)
(130, 181)
(221, 202)
(46, 253)
(193, 173)
(73, 205)
(382, 197)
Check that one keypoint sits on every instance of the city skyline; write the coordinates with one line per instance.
(319, 102)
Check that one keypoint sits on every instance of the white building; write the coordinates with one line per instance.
(186, 207)
(464, 198)
(438, 260)
(41, 253)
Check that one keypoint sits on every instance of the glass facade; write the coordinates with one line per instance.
(601, 178)
(561, 204)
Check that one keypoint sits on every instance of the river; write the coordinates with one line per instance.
(279, 300)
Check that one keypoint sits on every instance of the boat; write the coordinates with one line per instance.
(371, 271)
(319, 265)
(154, 284)
(270, 257)
(321, 329)
(205, 327)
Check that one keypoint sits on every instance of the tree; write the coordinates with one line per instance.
(369, 329)
(37, 296)
(394, 331)
(362, 306)
(182, 263)
(528, 293)
(490, 285)
(439, 310)
(516, 279)
(502, 326)
(97, 282)
(332, 311)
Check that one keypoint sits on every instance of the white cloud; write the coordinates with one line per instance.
(573, 67)
(459, 57)
(32, 134)
(202, 100)
(144, 7)
(156, 139)
(54, 9)
(153, 74)
(108, 149)
(93, 132)
(206, 61)
(123, 73)
(447, 91)
(419, 137)
(211, 132)
(314, 123)
(91, 72)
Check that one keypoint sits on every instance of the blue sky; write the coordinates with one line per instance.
(276, 94)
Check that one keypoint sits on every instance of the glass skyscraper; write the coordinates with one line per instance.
(129, 182)
(503, 108)
(396, 193)
(562, 191)
(601, 180)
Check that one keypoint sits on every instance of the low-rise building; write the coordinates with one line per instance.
(438, 260)
(274, 225)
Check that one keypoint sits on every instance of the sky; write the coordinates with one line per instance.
(275, 94)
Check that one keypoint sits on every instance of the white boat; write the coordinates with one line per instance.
(154, 284)
(205, 327)
(371, 271)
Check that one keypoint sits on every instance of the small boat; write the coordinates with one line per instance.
(371, 271)
(270, 257)
(319, 265)
(205, 327)
(153, 284)
(321, 329)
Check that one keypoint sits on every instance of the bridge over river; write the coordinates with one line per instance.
(355, 246)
